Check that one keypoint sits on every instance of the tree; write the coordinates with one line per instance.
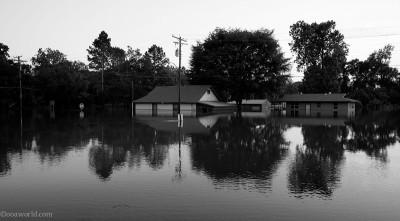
(239, 63)
(99, 52)
(3, 53)
(374, 81)
(321, 53)
(158, 60)
(48, 58)
(117, 58)
(59, 79)
(8, 78)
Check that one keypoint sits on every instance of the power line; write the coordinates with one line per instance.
(373, 36)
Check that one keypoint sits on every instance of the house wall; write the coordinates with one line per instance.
(325, 109)
(209, 97)
(352, 109)
(164, 110)
(188, 109)
(143, 109)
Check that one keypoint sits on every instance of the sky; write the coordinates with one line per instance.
(71, 26)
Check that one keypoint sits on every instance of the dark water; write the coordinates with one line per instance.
(113, 167)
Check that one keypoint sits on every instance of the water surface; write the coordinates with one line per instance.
(113, 167)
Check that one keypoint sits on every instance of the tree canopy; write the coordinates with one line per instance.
(374, 82)
(321, 53)
(239, 64)
(99, 52)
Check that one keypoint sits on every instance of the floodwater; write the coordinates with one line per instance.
(114, 167)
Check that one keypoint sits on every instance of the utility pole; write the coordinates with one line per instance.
(20, 84)
(20, 96)
(132, 97)
(179, 42)
(102, 73)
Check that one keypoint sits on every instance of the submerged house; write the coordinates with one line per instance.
(195, 100)
(318, 105)
(254, 105)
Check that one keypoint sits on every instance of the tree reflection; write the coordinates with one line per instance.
(372, 133)
(240, 152)
(123, 143)
(316, 165)
(113, 141)
(5, 165)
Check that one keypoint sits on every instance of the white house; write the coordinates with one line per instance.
(194, 99)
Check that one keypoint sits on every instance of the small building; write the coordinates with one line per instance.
(195, 100)
(254, 105)
(318, 105)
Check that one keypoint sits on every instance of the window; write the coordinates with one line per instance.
(294, 105)
(208, 91)
(256, 108)
(335, 106)
(335, 114)
(318, 104)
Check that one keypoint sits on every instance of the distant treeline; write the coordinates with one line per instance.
(240, 64)
(112, 76)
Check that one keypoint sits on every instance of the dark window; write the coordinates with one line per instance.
(335, 105)
(208, 91)
(154, 109)
(335, 114)
(318, 104)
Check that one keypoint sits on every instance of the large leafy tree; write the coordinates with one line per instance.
(320, 53)
(239, 63)
(59, 79)
(8, 78)
(374, 81)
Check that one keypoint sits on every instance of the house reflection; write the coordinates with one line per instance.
(190, 125)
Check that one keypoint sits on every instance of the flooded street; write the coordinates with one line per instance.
(219, 167)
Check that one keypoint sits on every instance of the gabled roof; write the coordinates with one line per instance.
(315, 98)
(169, 94)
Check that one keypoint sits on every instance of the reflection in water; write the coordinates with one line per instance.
(316, 165)
(130, 143)
(240, 152)
(229, 150)
(373, 133)
(5, 165)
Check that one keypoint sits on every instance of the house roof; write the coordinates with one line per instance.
(315, 98)
(252, 101)
(169, 94)
(217, 104)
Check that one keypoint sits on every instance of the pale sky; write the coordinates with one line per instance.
(71, 26)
